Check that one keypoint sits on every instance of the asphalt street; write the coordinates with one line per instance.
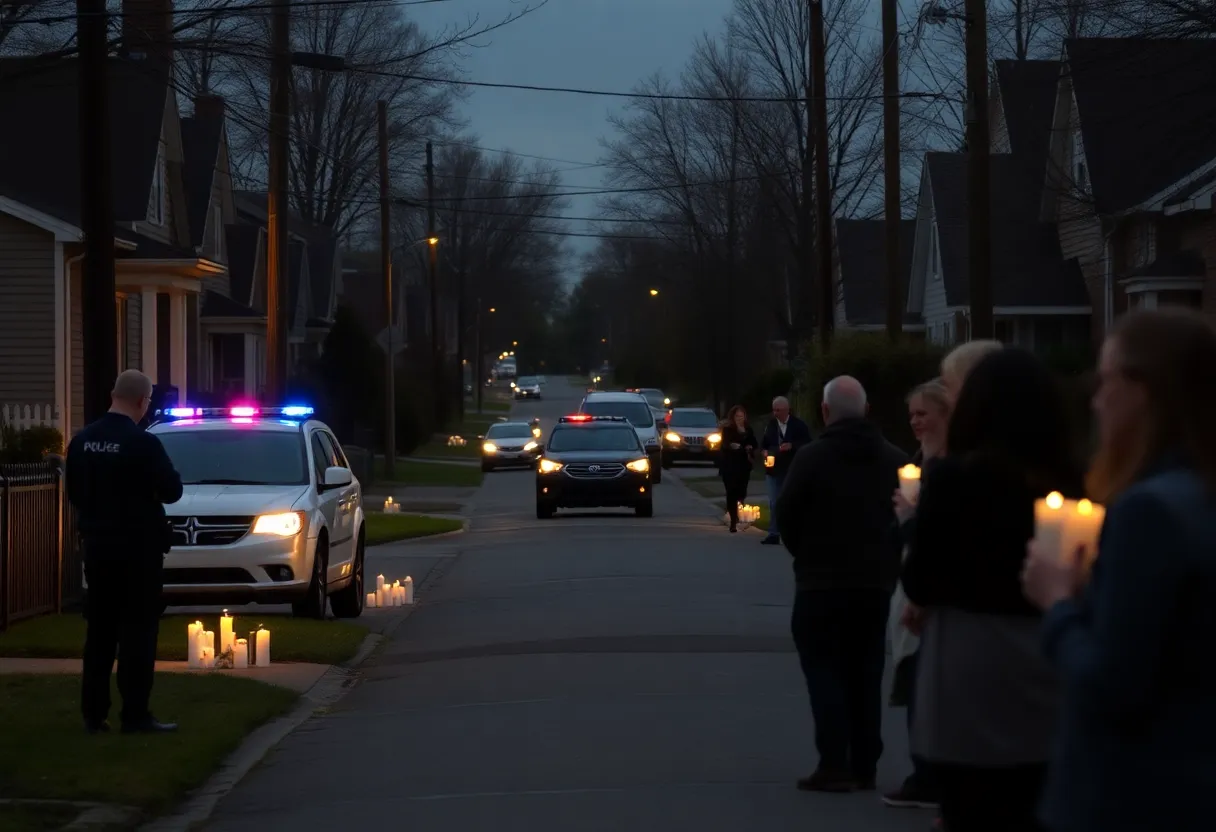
(591, 672)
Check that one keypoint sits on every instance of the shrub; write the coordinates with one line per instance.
(29, 445)
(758, 398)
(887, 370)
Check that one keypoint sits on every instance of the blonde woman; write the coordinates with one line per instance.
(959, 363)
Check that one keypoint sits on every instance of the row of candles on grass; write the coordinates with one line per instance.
(1060, 525)
(748, 514)
(397, 594)
(201, 647)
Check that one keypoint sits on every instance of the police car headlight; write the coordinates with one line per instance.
(639, 465)
(531, 446)
(287, 524)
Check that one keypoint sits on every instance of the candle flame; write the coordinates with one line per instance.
(1085, 507)
(225, 613)
(1055, 500)
(909, 472)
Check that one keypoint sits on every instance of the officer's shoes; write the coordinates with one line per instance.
(102, 727)
(150, 726)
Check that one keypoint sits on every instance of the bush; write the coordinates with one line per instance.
(29, 445)
(887, 370)
(758, 397)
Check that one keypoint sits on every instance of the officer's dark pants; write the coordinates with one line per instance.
(123, 610)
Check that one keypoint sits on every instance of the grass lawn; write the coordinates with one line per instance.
(48, 817)
(412, 472)
(470, 429)
(294, 639)
(385, 528)
(47, 755)
(495, 405)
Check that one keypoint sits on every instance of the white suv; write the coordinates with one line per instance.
(271, 511)
(634, 408)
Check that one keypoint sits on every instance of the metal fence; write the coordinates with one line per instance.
(39, 559)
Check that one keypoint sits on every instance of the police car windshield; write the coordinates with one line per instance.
(236, 457)
(593, 439)
(513, 431)
(637, 411)
(693, 419)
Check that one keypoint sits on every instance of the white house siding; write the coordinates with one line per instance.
(135, 331)
(27, 313)
(77, 352)
(937, 316)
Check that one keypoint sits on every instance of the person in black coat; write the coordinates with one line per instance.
(783, 436)
(737, 460)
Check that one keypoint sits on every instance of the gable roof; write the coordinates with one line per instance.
(1027, 91)
(42, 157)
(860, 246)
(243, 242)
(201, 152)
(1147, 111)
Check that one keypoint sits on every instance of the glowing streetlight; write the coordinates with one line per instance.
(492, 309)
(434, 241)
(515, 343)
(654, 293)
(603, 340)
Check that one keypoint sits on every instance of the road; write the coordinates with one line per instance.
(586, 673)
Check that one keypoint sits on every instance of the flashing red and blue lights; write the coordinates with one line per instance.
(584, 417)
(291, 411)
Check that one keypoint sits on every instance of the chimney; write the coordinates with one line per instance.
(209, 106)
(147, 29)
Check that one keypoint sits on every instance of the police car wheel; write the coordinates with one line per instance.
(348, 602)
(314, 604)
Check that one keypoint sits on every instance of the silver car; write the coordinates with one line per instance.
(271, 511)
(526, 387)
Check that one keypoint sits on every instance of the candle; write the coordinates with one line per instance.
(909, 482)
(226, 633)
(370, 601)
(207, 660)
(379, 582)
(240, 654)
(209, 641)
(407, 587)
(1061, 526)
(770, 461)
(263, 648)
(193, 656)
(390, 507)
(383, 595)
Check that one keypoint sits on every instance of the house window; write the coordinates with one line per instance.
(120, 330)
(157, 199)
(217, 222)
(1080, 176)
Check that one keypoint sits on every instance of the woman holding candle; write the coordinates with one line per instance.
(1136, 742)
(986, 700)
(929, 415)
(737, 460)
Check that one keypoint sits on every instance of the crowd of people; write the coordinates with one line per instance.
(1045, 692)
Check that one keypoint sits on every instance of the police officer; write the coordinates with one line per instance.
(118, 480)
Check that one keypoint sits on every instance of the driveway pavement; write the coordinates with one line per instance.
(586, 673)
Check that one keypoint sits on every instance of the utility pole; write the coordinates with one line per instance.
(433, 284)
(386, 274)
(99, 331)
(276, 203)
(823, 193)
(478, 369)
(806, 212)
(891, 163)
(979, 197)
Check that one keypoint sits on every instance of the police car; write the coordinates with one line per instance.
(593, 462)
(271, 512)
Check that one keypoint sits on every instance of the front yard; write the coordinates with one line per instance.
(386, 528)
(412, 472)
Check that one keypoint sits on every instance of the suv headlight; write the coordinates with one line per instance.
(286, 524)
(548, 466)
(639, 465)
(714, 438)
(672, 437)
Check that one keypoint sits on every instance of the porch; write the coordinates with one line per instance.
(1175, 279)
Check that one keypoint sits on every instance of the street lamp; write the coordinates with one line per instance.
(492, 309)
(515, 343)
(654, 293)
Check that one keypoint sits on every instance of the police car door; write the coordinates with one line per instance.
(328, 501)
(343, 530)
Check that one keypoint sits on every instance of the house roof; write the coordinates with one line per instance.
(242, 259)
(1147, 113)
(42, 159)
(1027, 92)
(148, 248)
(1028, 267)
(201, 151)
(860, 247)
(216, 305)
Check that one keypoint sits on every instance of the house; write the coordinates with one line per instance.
(1132, 171)
(861, 275)
(1039, 296)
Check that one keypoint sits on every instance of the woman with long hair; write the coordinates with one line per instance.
(738, 459)
(929, 415)
(1132, 642)
(986, 699)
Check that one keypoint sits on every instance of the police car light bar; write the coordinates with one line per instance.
(583, 417)
(239, 412)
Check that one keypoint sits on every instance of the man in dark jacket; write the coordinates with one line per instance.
(783, 436)
(118, 480)
(838, 523)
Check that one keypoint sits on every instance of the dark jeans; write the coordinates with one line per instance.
(921, 777)
(841, 641)
(990, 799)
(736, 491)
(123, 610)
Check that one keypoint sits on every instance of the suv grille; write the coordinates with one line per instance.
(694, 440)
(209, 530)
(594, 470)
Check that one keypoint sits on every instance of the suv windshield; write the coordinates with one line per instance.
(692, 419)
(512, 431)
(637, 412)
(654, 396)
(236, 457)
(593, 439)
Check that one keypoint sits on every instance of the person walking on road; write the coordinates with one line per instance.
(737, 461)
(1136, 740)
(119, 479)
(837, 523)
(783, 436)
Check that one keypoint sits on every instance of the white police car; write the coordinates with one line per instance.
(271, 512)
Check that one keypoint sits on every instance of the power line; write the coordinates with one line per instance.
(226, 10)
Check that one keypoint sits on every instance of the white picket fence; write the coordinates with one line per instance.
(22, 416)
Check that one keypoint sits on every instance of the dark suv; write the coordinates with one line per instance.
(593, 462)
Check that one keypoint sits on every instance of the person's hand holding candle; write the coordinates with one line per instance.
(904, 509)
(1047, 578)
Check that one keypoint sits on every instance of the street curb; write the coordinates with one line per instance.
(327, 692)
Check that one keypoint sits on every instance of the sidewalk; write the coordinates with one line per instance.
(297, 676)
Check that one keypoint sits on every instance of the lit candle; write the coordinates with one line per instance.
(383, 596)
(209, 641)
(193, 656)
(1061, 526)
(379, 582)
(770, 461)
(263, 648)
(909, 482)
(1083, 529)
(407, 586)
(207, 660)
(370, 601)
(240, 654)
(226, 633)
(390, 507)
